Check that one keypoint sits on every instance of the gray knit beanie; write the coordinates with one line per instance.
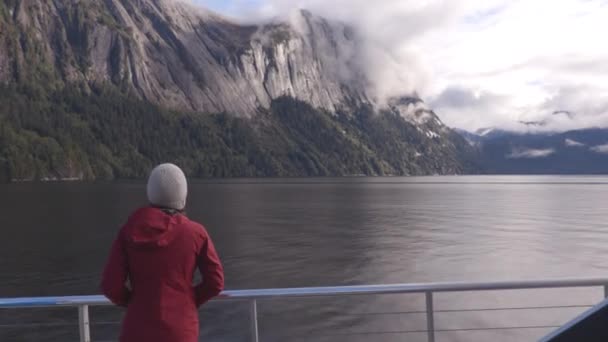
(167, 187)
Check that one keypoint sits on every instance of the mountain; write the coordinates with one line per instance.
(573, 152)
(104, 89)
(178, 55)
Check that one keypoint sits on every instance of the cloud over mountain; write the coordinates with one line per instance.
(510, 60)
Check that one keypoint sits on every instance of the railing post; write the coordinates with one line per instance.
(606, 291)
(254, 321)
(430, 320)
(83, 323)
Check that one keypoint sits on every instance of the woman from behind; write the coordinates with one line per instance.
(151, 266)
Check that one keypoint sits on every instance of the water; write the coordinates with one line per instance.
(324, 232)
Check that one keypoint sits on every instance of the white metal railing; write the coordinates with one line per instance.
(253, 296)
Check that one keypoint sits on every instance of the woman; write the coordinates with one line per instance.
(152, 264)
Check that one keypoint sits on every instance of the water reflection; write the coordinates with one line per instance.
(292, 233)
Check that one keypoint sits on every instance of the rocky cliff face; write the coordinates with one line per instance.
(184, 57)
(88, 86)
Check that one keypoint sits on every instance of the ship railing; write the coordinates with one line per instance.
(253, 297)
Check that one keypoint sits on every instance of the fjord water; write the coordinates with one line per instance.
(325, 232)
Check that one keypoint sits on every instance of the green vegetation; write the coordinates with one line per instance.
(104, 134)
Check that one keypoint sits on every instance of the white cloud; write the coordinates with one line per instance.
(600, 149)
(391, 56)
(530, 153)
(457, 104)
(537, 63)
(573, 143)
(393, 63)
(510, 60)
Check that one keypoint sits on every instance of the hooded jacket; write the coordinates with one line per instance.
(150, 272)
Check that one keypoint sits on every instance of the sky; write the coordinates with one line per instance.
(478, 63)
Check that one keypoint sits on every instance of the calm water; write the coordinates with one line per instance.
(294, 233)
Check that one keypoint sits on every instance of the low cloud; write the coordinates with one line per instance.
(461, 107)
(569, 107)
(573, 143)
(530, 153)
(600, 149)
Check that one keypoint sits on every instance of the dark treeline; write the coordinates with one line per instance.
(102, 133)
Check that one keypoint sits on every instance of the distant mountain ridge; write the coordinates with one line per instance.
(582, 151)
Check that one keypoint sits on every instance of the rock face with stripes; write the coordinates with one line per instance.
(182, 56)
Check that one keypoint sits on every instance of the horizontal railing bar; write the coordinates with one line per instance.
(326, 291)
(49, 302)
(413, 288)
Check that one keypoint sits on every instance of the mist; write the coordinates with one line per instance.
(388, 53)
(477, 63)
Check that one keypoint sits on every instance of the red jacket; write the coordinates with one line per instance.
(150, 271)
